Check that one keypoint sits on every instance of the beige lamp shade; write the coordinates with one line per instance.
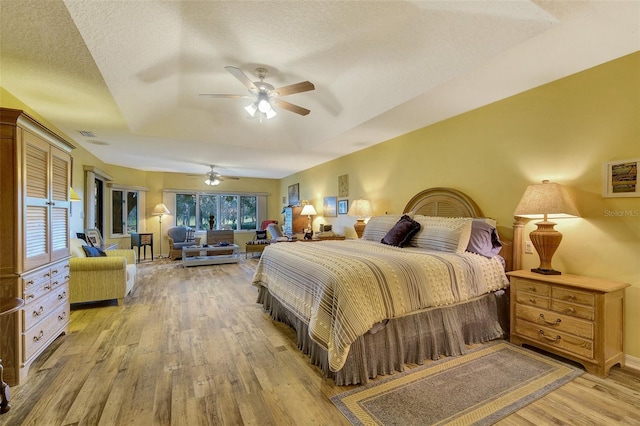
(159, 210)
(546, 200)
(361, 209)
(309, 211)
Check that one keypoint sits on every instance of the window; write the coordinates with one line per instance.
(124, 212)
(224, 211)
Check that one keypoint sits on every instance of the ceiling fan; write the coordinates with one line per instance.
(214, 179)
(264, 94)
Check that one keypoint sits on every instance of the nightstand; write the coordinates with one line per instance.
(576, 317)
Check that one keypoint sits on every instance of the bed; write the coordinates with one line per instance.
(362, 308)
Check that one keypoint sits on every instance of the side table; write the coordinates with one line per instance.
(7, 306)
(142, 240)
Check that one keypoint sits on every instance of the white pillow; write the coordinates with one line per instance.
(75, 246)
(378, 226)
(448, 234)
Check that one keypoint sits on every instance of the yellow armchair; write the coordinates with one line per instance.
(94, 279)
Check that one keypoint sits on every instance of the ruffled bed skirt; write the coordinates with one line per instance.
(427, 334)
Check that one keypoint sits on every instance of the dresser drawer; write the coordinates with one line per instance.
(39, 336)
(523, 298)
(578, 311)
(44, 306)
(547, 336)
(533, 287)
(59, 274)
(573, 296)
(36, 284)
(555, 321)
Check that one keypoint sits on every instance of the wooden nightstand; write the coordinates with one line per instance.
(579, 318)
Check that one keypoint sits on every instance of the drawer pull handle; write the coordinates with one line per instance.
(39, 336)
(66, 266)
(47, 287)
(31, 296)
(551, 339)
(38, 312)
(47, 274)
(570, 311)
(532, 301)
(532, 289)
(62, 296)
(62, 317)
(30, 282)
(556, 322)
(55, 271)
(66, 277)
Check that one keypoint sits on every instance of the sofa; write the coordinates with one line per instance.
(104, 277)
(180, 236)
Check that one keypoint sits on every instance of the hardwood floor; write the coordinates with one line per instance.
(191, 347)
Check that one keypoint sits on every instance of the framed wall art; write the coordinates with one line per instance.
(343, 206)
(294, 194)
(621, 178)
(343, 186)
(329, 206)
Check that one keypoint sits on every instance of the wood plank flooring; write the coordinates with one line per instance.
(191, 347)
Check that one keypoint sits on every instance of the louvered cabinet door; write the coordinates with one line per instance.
(46, 219)
(36, 201)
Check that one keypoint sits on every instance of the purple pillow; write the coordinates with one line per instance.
(484, 239)
(401, 233)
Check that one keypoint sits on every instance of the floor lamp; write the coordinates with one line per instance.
(160, 210)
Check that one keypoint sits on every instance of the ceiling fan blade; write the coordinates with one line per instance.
(304, 86)
(230, 177)
(216, 95)
(291, 107)
(242, 77)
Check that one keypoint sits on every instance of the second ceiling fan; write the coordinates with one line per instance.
(264, 94)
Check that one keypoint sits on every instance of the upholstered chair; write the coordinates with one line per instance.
(180, 236)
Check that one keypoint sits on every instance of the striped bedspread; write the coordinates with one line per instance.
(342, 288)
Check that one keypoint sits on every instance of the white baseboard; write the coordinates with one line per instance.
(632, 362)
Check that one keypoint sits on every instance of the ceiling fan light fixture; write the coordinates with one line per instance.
(251, 109)
(270, 114)
(212, 181)
(263, 105)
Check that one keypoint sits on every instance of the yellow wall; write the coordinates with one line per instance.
(563, 131)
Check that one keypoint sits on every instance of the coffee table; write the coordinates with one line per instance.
(197, 255)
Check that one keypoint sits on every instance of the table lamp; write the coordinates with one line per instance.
(546, 200)
(361, 209)
(309, 211)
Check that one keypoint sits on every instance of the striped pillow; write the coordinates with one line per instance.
(448, 234)
(378, 226)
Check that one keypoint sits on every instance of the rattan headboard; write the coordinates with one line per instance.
(447, 202)
(443, 202)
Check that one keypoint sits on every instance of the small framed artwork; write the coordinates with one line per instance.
(294, 194)
(621, 178)
(93, 237)
(343, 186)
(343, 206)
(329, 206)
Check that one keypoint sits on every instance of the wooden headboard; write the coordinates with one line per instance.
(448, 202)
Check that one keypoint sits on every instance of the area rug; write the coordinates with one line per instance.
(478, 388)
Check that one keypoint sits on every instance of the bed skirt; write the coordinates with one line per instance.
(427, 334)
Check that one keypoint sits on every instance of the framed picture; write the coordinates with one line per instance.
(343, 206)
(621, 178)
(94, 237)
(294, 194)
(329, 206)
(343, 186)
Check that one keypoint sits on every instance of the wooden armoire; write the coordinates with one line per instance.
(35, 176)
(293, 223)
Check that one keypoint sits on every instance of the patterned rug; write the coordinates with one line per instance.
(478, 388)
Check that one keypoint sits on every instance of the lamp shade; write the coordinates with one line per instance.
(73, 195)
(548, 200)
(159, 210)
(360, 208)
(308, 210)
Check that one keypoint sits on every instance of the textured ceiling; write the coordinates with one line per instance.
(131, 71)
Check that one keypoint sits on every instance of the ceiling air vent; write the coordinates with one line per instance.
(87, 133)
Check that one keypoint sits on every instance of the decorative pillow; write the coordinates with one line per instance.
(448, 234)
(378, 226)
(261, 235)
(401, 233)
(93, 251)
(484, 238)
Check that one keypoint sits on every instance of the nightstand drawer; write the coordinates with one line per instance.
(531, 299)
(578, 311)
(563, 323)
(573, 296)
(556, 339)
(533, 287)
